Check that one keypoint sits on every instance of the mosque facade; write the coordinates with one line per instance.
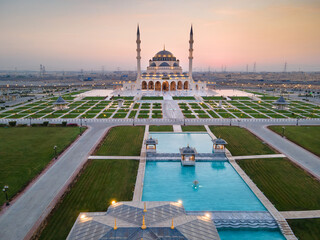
(164, 72)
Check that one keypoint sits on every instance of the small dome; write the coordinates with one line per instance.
(164, 64)
(152, 64)
(176, 65)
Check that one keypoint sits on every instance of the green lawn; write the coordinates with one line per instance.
(151, 98)
(25, 152)
(287, 186)
(305, 136)
(193, 128)
(122, 141)
(161, 128)
(240, 141)
(101, 182)
(183, 98)
(305, 229)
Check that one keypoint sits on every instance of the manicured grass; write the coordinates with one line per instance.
(189, 116)
(183, 98)
(124, 98)
(132, 114)
(305, 136)
(161, 128)
(122, 141)
(94, 98)
(151, 98)
(305, 229)
(213, 98)
(193, 128)
(25, 151)
(287, 186)
(240, 141)
(101, 182)
(240, 98)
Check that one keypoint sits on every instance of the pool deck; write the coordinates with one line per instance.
(138, 189)
(301, 214)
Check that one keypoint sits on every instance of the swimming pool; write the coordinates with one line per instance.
(220, 186)
(252, 234)
(171, 142)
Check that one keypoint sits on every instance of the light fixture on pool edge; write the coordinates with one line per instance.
(83, 216)
(180, 201)
(113, 202)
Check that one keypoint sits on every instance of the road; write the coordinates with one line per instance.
(37, 201)
(296, 153)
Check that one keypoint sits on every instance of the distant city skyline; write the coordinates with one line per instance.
(82, 34)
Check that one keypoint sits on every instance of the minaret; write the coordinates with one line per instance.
(138, 56)
(190, 52)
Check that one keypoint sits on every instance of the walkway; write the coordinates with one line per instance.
(297, 154)
(115, 157)
(171, 110)
(259, 156)
(138, 189)
(301, 214)
(36, 203)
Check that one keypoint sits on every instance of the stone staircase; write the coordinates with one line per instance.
(286, 230)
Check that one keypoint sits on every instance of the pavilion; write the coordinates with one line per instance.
(281, 104)
(143, 220)
(60, 104)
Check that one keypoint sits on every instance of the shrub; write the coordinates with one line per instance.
(12, 123)
(72, 125)
(46, 123)
(64, 124)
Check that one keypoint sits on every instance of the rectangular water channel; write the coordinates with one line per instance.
(220, 186)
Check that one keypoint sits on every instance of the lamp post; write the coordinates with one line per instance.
(283, 128)
(230, 121)
(30, 121)
(298, 121)
(55, 151)
(239, 122)
(5, 191)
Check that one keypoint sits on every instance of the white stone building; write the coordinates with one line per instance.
(164, 72)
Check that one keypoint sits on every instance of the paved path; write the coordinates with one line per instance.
(171, 110)
(259, 156)
(34, 205)
(177, 128)
(296, 153)
(301, 214)
(116, 157)
(138, 189)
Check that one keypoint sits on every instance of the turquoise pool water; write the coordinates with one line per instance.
(171, 142)
(252, 234)
(221, 188)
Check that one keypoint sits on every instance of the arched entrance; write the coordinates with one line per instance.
(179, 85)
(172, 86)
(158, 86)
(144, 85)
(186, 85)
(165, 86)
(150, 85)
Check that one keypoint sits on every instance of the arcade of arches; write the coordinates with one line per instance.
(165, 85)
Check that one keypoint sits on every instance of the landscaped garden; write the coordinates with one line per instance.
(287, 186)
(101, 182)
(122, 141)
(26, 151)
(240, 141)
(161, 128)
(307, 137)
(305, 229)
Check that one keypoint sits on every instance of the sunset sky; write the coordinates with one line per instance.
(89, 34)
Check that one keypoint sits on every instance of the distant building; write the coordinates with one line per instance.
(164, 72)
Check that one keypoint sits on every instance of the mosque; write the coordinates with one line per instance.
(164, 72)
